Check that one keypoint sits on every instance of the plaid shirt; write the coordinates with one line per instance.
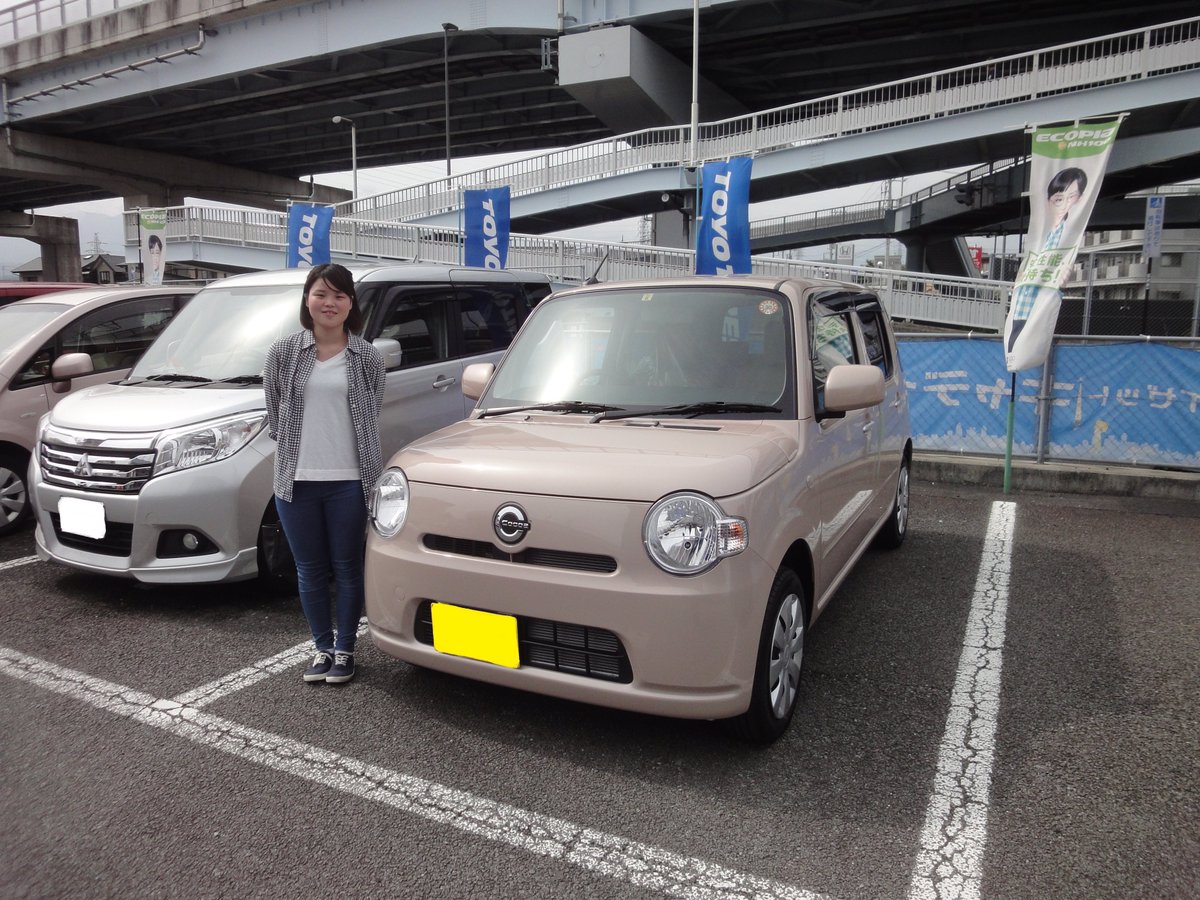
(289, 364)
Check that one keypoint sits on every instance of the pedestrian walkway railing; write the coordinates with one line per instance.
(34, 17)
(959, 302)
(1067, 68)
(873, 211)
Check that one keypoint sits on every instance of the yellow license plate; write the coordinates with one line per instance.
(488, 637)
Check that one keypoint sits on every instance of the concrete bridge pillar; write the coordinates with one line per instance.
(58, 238)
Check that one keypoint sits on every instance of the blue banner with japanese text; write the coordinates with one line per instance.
(308, 235)
(486, 227)
(1132, 403)
(723, 226)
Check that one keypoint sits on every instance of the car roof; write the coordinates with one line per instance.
(29, 288)
(770, 282)
(365, 273)
(97, 295)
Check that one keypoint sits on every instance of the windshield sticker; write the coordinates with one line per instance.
(769, 307)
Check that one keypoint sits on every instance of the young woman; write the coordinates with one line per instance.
(324, 388)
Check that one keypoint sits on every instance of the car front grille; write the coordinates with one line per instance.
(110, 464)
(117, 540)
(530, 556)
(546, 644)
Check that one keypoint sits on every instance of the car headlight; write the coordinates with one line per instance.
(183, 448)
(688, 533)
(389, 503)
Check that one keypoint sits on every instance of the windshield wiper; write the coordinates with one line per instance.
(240, 379)
(570, 406)
(171, 377)
(690, 410)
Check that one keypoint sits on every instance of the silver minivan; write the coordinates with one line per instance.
(55, 343)
(166, 476)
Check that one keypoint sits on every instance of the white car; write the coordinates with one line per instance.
(166, 477)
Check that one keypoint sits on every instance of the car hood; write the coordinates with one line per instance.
(621, 460)
(136, 408)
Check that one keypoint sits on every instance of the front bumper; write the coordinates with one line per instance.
(690, 642)
(222, 501)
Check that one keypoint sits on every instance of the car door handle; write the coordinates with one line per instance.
(443, 381)
(867, 426)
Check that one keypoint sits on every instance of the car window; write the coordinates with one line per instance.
(831, 344)
(491, 314)
(117, 335)
(655, 347)
(18, 322)
(417, 317)
(875, 338)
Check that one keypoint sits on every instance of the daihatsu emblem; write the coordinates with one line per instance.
(511, 523)
(83, 468)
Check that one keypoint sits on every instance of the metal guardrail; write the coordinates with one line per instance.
(1125, 56)
(960, 302)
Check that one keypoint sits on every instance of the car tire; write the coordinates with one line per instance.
(15, 506)
(276, 565)
(893, 532)
(779, 665)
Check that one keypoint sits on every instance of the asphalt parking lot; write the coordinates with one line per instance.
(1005, 707)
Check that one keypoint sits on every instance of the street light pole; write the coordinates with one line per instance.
(338, 120)
(447, 27)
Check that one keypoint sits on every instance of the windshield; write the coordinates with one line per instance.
(224, 332)
(652, 348)
(19, 322)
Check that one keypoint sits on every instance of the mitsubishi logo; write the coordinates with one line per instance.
(83, 468)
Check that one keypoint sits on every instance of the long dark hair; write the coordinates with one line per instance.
(340, 279)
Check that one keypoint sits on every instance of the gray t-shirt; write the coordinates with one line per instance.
(327, 449)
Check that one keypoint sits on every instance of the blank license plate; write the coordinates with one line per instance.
(82, 517)
(488, 637)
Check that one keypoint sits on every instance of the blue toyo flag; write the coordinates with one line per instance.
(308, 235)
(723, 236)
(486, 223)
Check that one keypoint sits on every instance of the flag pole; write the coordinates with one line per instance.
(1008, 442)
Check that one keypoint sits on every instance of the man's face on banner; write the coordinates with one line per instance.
(1062, 201)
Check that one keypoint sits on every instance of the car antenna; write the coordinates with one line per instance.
(593, 279)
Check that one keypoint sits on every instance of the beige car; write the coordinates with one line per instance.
(661, 486)
(54, 344)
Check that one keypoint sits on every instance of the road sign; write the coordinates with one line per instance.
(1152, 244)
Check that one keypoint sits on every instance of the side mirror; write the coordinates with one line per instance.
(389, 349)
(853, 387)
(68, 366)
(475, 379)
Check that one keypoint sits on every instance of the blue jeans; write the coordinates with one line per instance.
(326, 527)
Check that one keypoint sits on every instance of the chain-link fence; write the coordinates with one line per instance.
(1125, 401)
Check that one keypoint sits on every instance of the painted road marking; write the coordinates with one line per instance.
(642, 865)
(13, 563)
(950, 859)
(252, 674)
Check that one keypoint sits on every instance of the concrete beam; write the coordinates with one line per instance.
(161, 179)
(58, 238)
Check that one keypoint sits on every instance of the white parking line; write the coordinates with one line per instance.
(253, 673)
(13, 563)
(950, 859)
(642, 865)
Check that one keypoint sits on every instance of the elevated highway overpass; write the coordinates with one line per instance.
(234, 100)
